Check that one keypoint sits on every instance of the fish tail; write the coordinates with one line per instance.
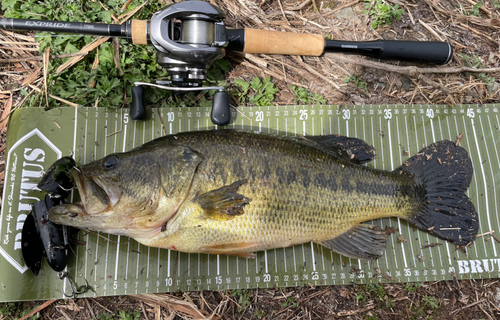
(442, 173)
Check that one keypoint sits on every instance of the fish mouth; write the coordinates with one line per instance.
(95, 197)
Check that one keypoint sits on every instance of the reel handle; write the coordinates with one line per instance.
(221, 112)
(137, 110)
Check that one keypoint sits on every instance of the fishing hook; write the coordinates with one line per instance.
(75, 291)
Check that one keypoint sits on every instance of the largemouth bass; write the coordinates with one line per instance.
(230, 192)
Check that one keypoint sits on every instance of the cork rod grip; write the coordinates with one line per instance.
(276, 42)
(139, 32)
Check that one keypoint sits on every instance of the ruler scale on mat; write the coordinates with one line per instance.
(118, 265)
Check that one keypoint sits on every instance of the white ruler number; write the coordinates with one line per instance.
(430, 113)
(470, 113)
(387, 114)
(260, 116)
(346, 114)
(303, 115)
(170, 116)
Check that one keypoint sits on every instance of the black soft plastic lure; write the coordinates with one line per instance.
(41, 237)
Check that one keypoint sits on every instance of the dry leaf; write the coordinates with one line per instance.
(31, 78)
(172, 303)
(85, 50)
(5, 114)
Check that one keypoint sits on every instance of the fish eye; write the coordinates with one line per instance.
(110, 162)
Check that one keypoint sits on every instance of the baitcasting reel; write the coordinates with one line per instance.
(190, 35)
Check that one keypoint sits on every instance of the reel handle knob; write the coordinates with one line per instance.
(221, 112)
(137, 110)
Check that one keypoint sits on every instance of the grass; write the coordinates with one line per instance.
(303, 96)
(258, 92)
(475, 10)
(357, 81)
(243, 297)
(475, 62)
(382, 13)
(14, 310)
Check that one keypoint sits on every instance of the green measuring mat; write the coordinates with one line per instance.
(116, 265)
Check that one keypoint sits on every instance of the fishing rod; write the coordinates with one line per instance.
(190, 35)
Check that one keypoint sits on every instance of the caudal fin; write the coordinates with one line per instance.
(443, 172)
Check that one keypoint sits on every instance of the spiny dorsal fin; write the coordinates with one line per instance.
(348, 149)
(223, 203)
(362, 241)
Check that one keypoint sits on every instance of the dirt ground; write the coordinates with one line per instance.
(472, 29)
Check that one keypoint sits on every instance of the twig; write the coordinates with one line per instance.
(38, 309)
(125, 5)
(345, 6)
(85, 50)
(121, 125)
(116, 55)
(5, 114)
(431, 245)
(90, 308)
(40, 58)
(144, 311)
(411, 70)
(20, 49)
(485, 234)
(54, 97)
(484, 311)
(459, 139)
(430, 30)
(496, 239)
(477, 32)
(241, 112)
(112, 15)
(161, 120)
(45, 75)
(273, 74)
(283, 12)
(300, 6)
(314, 72)
(63, 313)
(467, 306)
(353, 312)
(100, 305)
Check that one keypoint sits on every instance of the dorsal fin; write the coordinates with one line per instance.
(348, 149)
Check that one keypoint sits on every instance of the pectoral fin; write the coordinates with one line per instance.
(234, 249)
(223, 203)
(363, 241)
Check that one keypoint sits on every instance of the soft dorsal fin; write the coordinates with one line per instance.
(348, 149)
(362, 241)
(223, 203)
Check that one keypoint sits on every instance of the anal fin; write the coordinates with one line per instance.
(363, 241)
(233, 249)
